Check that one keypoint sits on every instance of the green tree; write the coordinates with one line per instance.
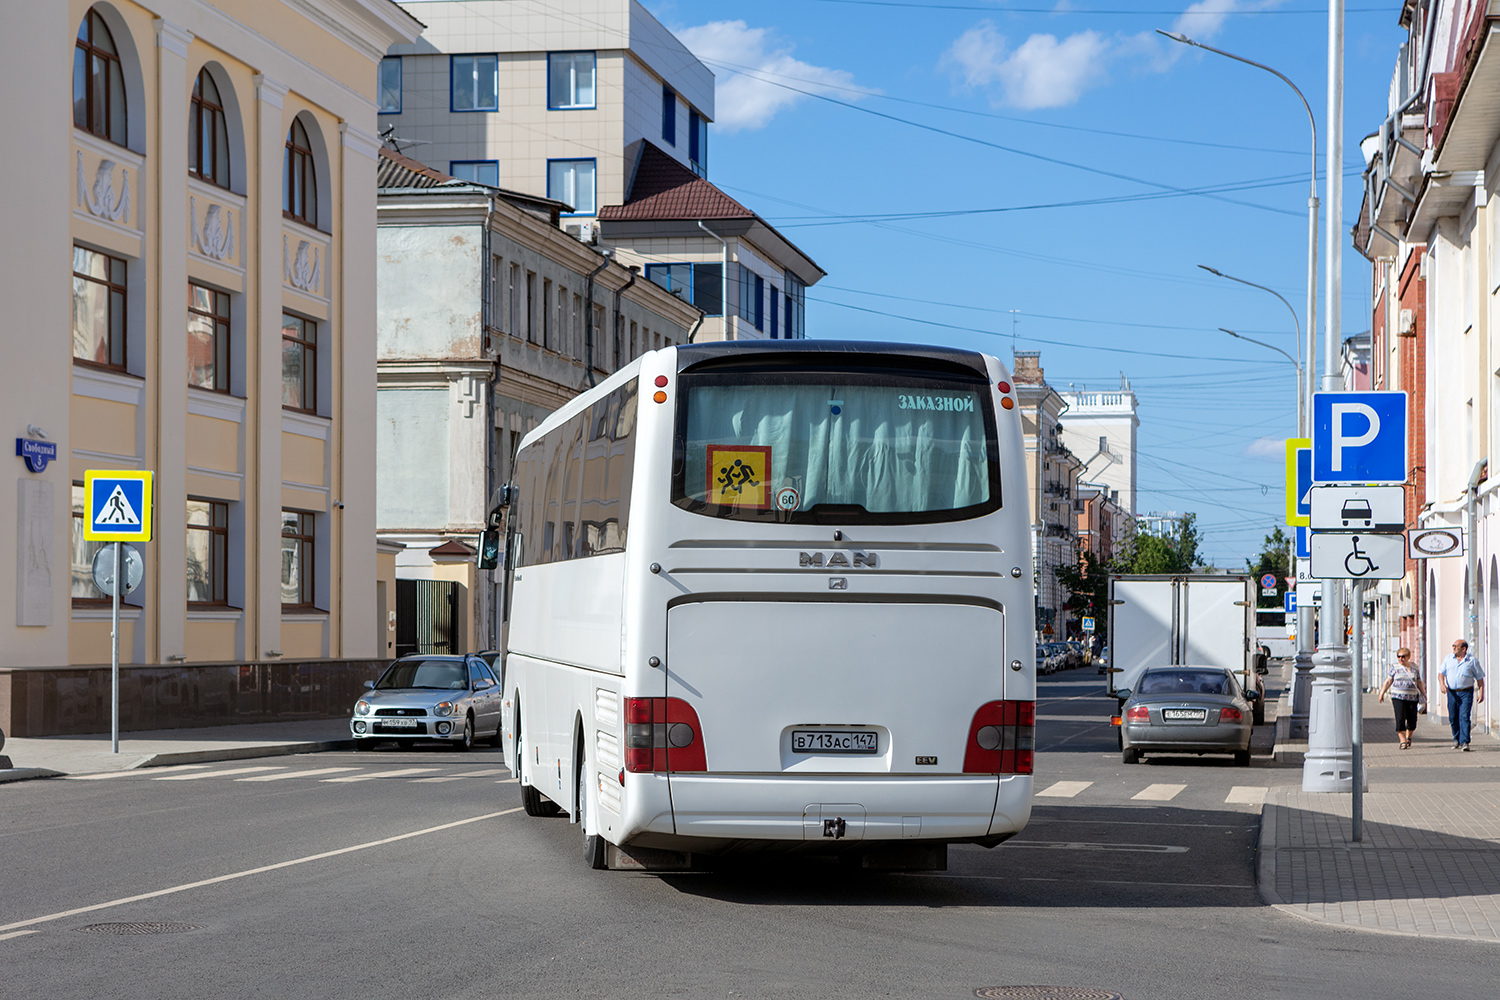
(1088, 589)
(1176, 552)
(1273, 560)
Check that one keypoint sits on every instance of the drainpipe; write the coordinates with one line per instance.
(694, 331)
(588, 319)
(1471, 498)
(635, 272)
(723, 284)
(488, 611)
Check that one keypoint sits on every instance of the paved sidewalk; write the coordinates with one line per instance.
(1428, 863)
(52, 756)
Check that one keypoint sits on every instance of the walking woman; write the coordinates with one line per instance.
(1406, 690)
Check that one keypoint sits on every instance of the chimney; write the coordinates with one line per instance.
(1027, 369)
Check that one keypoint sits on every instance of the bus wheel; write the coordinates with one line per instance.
(593, 844)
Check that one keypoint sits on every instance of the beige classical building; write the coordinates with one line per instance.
(1052, 477)
(189, 279)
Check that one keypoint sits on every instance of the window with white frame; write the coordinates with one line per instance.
(570, 81)
(476, 82)
(572, 182)
(477, 171)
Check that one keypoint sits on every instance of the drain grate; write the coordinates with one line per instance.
(139, 927)
(1045, 993)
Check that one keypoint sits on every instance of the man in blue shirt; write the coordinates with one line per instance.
(1462, 679)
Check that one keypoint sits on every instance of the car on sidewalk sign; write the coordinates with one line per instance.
(451, 699)
(1186, 710)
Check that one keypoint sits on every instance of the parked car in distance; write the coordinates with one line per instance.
(1186, 709)
(452, 699)
(1043, 656)
(1055, 657)
(1074, 655)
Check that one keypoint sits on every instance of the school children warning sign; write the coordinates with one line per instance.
(739, 475)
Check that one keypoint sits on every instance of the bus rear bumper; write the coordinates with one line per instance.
(720, 809)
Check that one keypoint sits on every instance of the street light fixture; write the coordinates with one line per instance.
(1301, 398)
(1312, 203)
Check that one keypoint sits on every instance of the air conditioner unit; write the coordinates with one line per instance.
(583, 232)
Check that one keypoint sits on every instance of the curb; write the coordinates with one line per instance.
(1265, 868)
(27, 773)
(239, 753)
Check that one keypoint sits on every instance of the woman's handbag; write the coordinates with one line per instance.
(1422, 705)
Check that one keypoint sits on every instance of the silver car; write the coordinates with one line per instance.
(1185, 709)
(453, 699)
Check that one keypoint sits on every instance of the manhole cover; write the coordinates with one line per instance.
(1046, 992)
(139, 927)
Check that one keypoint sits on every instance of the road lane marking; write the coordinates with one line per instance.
(1068, 845)
(398, 773)
(1248, 795)
(5, 928)
(487, 772)
(1158, 793)
(297, 774)
(136, 772)
(447, 777)
(1064, 789)
(221, 774)
(15, 934)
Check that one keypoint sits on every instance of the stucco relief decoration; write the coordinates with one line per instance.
(216, 238)
(303, 269)
(100, 199)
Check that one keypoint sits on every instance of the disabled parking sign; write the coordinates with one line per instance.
(1359, 437)
(117, 506)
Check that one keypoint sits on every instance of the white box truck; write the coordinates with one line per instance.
(1192, 619)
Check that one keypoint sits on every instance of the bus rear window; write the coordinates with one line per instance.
(818, 447)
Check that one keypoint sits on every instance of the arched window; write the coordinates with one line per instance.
(299, 186)
(98, 82)
(208, 139)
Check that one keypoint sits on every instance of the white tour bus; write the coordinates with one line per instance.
(775, 596)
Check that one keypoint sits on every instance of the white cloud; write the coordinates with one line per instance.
(749, 63)
(1043, 72)
(1266, 447)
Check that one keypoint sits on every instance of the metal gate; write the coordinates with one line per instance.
(426, 616)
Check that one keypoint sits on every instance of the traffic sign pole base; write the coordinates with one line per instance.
(1328, 765)
(1302, 668)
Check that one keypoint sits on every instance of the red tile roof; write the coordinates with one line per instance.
(665, 189)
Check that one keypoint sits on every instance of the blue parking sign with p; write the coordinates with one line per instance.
(1359, 437)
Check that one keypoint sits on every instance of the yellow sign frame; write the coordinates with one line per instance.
(1293, 446)
(109, 479)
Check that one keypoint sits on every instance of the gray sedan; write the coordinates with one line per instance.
(448, 698)
(1185, 710)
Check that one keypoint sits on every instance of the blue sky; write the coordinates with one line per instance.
(836, 115)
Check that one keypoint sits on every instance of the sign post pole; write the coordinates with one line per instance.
(1357, 812)
(114, 654)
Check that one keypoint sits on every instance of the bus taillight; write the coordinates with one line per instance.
(1002, 739)
(662, 735)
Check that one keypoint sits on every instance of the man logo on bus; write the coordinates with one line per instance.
(738, 475)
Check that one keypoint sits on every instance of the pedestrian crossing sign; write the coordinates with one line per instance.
(117, 506)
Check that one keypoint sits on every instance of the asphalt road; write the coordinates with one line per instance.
(294, 887)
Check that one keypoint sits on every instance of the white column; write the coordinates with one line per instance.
(354, 423)
(171, 357)
(263, 534)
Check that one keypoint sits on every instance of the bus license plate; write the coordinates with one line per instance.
(399, 723)
(834, 741)
(1184, 714)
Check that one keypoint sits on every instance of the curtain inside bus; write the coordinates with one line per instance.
(889, 448)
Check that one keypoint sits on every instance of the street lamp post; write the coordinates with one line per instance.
(1301, 689)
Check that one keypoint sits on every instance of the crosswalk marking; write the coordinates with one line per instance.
(1064, 789)
(219, 774)
(1158, 793)
(399, 773)
(135, 773)
(1249, 795)
(487, 772)
(439, 780)
(297, 774)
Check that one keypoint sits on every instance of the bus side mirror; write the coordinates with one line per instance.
(489, 549)
(499, 500)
